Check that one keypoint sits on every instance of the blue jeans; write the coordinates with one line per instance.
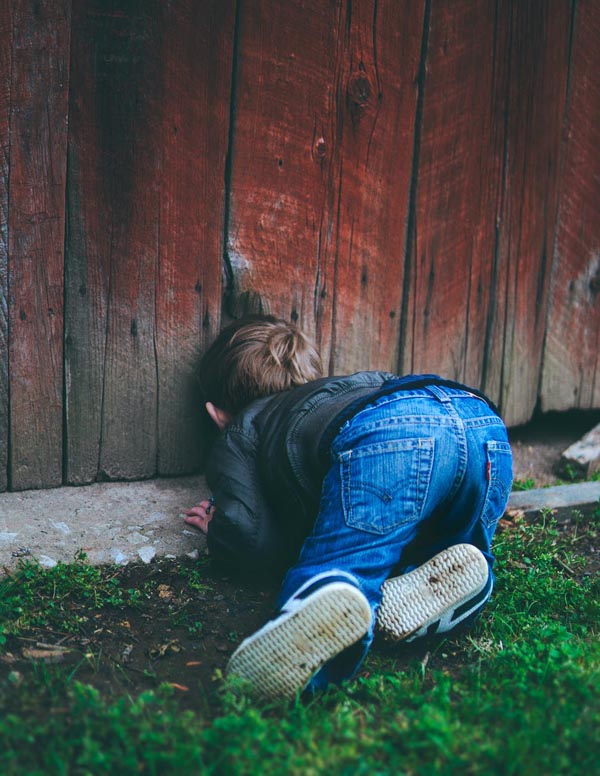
(412, 473)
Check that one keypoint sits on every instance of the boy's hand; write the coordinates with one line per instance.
(201, 515)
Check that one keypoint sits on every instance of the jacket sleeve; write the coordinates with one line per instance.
(244, 533)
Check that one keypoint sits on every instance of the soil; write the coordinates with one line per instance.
(538, 446)
(184, 637)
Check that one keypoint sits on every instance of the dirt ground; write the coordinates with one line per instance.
(174, 635)
(185, 636)
(538, 446)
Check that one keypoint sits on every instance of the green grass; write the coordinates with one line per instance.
(62, 597)
(518, 695)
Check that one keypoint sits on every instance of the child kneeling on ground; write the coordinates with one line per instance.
(379, 494)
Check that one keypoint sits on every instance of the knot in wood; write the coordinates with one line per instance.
(321, 148)
(595, 281)
(359, 91)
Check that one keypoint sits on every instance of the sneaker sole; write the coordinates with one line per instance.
(280, 658)
(429, 599)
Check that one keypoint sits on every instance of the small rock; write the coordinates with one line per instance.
(63, 528)
(146, 553)
(118, 557)
(46, 561)
(583, 457)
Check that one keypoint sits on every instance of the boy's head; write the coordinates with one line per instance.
(254, 357)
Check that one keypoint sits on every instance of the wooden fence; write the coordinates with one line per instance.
(416, 181)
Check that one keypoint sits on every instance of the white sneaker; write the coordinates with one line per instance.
(323, 618)
(435, 597)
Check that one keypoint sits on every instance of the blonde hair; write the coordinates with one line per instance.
(254, 357)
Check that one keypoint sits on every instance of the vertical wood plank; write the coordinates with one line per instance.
(5, 70)
(280, 158)
(149, 131)
(571, 371)
(452, 240)
(537, 52)
(94, 138)
(193, 101)
(113, 238)
(324, 129)
(373, 123)
(38, 128)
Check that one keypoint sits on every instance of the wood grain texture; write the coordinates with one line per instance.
(38, 127)
(113, 238)
(193, 104)
(537, 45)
(451, 249)
(5, 72)
(149, 131)
(324, 127)
(571, 370)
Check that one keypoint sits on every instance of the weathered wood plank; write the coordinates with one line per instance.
(38, 127)
(149, 131)
(5, 68)
(537, 53)
(89, 241)
(452, 242)
(113, 238)
(373, 128)
(571, 370)
(280, 158)
(324, 129)
(193, 101)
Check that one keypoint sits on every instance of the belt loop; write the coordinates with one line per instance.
(439, 393)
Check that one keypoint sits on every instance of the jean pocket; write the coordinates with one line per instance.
(499, 476)
(385, 485)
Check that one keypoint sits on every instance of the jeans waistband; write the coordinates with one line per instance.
(447, 394)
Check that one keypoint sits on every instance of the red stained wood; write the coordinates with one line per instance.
(324, 127)
(149, 125)
(537, 42)
(451, 252)
(193, 103)
(38, 127)
(113, 237)
(5, 60)
(571, 373)
(402, 176)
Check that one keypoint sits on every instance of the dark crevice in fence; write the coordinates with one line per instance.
(65, 424)
(228, 273)
(409, 242)
(5, 397)
(501, 214)
(493, 284)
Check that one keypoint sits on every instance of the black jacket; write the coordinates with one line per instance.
(266, 469)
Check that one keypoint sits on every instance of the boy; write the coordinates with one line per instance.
(379, 494)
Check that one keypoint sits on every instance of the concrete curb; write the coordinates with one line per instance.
(561, 500)
(116, 522)
(139, 521)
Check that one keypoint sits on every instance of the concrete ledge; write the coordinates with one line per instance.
(111, 522)
(561, 499)
(139, 521)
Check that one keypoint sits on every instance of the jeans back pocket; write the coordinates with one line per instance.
(385, 484)
(499, 476)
